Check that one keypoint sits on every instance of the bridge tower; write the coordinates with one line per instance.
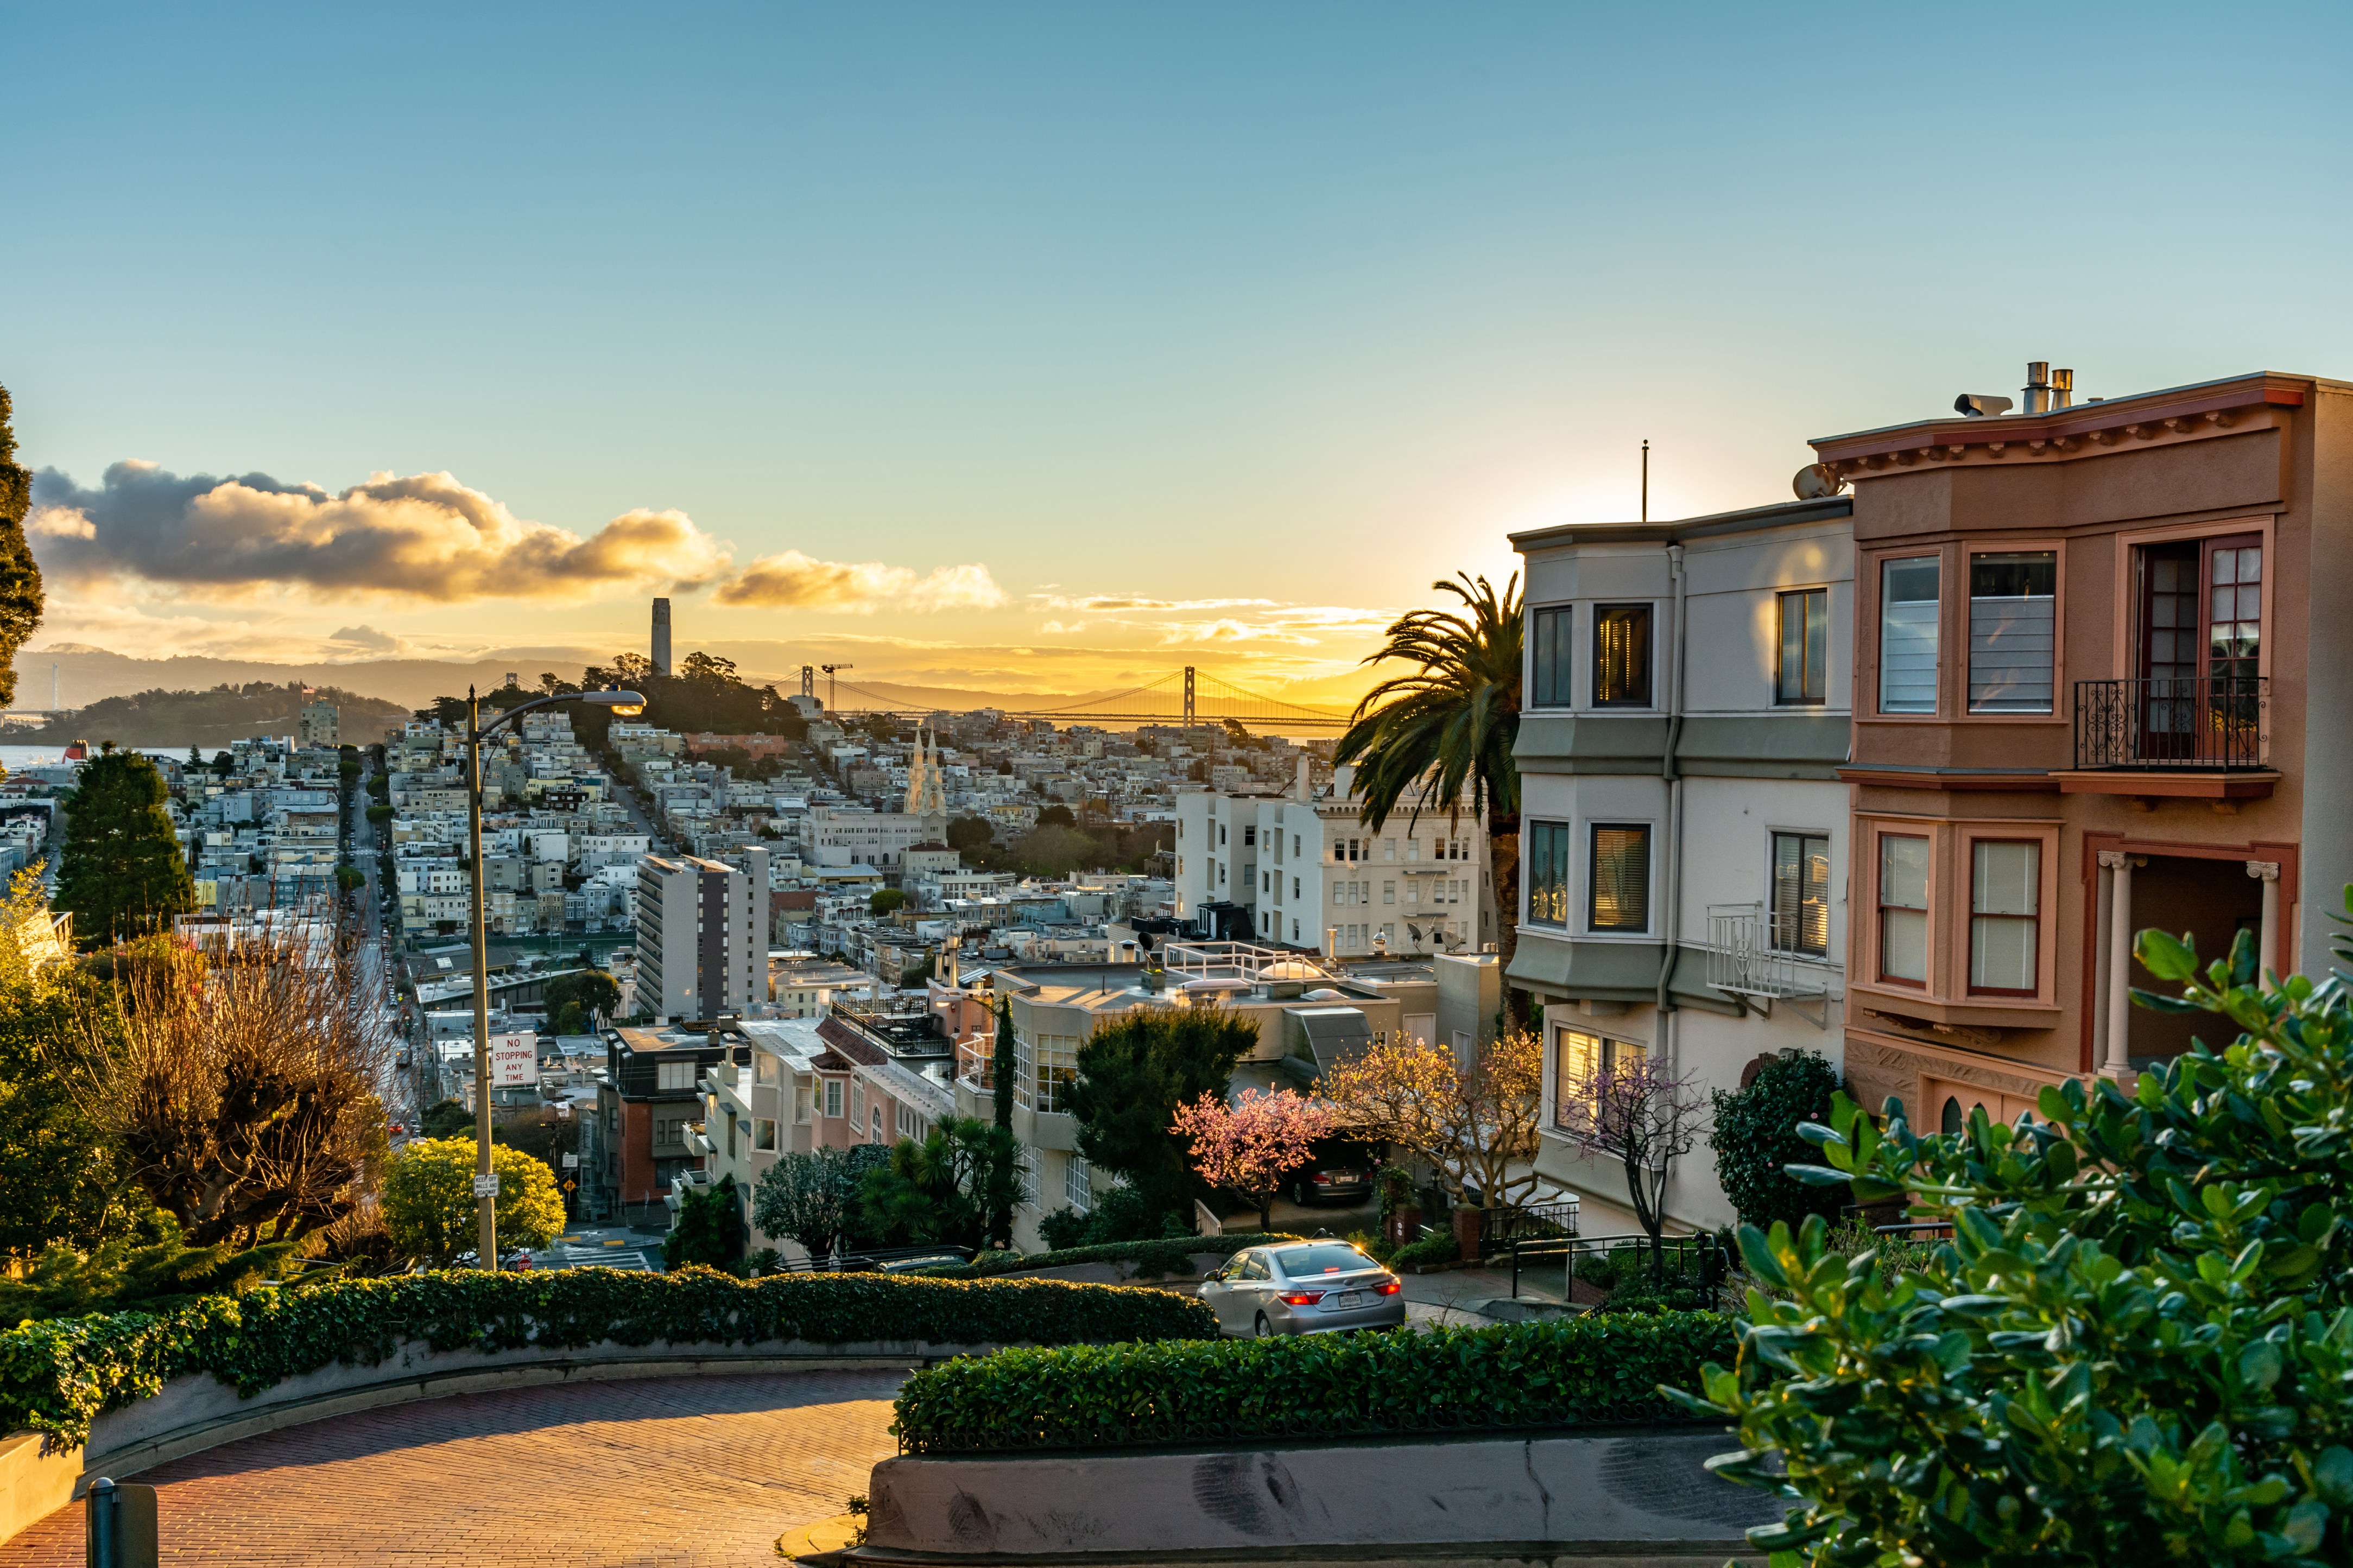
(1188, 696)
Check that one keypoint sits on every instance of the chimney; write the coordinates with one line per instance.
(2036, 397)
(2063, 388)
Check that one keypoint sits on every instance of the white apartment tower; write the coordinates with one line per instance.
(702, 936)
(1301, 870)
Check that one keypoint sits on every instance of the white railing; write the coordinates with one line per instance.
(1753, 953)
(1230, 960)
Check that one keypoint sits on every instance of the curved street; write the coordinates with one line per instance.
(678, 1470)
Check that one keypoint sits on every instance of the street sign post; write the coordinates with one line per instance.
(514, 1061)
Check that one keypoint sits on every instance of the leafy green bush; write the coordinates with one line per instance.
(1559, 1373)
(710, 1228)
(2138, 1345)
(1755, 1137)
(57, 1374)
(1438, 1246)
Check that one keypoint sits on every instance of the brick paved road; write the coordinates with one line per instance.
(675, 1470)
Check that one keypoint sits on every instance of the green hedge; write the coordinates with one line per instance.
(1562, 1373)
(57, 1374)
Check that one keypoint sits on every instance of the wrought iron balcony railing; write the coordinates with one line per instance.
(2202, 722)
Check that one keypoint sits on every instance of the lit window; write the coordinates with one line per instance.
(1804, 670)
(2005, 888)
(2013, 614)
(1907, 635)
(1577, 1059)
(1801, 893)
(1550, 630)
(1618, 897)
(1622, 656)
(1904, 907)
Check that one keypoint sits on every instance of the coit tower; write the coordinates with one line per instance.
(662, 636)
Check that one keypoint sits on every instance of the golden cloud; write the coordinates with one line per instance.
(798, 581)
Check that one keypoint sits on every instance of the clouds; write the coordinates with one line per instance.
(424, 538)
(793, 581)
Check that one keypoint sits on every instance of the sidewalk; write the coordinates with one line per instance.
(1458, 1295)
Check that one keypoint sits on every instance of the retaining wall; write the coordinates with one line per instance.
(198, 1412)
(1634, 1497)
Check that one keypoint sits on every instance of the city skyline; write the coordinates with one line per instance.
(1034, 351)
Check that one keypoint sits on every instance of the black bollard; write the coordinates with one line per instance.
(123, 1532)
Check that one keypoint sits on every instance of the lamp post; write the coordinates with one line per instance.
(623, 704)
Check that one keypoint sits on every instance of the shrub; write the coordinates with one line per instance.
(57, 1374)
(2136, 1347)
(710, 1228)
(1756, 1138)
(429, 1206)
(1559, 1373)
(1438, 1246)
(1062, 1229)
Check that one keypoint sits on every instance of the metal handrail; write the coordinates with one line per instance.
(2209, 722)
(1710, 1255)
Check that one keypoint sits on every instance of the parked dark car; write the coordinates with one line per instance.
(1339, 1171)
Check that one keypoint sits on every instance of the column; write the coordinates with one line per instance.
(2267, 944)
(2103, 903)
(2119, 1063)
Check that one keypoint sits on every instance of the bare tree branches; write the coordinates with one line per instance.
(1636, 1111)
(1474, 1121)
(239, 1081)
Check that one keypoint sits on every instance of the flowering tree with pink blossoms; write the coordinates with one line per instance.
(1249, 1145)
(1634, 1110)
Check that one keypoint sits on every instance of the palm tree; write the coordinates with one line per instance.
(1441, 737)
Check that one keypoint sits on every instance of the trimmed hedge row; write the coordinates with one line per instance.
(1561, 1372)
(59, 1375)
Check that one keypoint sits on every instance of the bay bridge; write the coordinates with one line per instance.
(1186, 696)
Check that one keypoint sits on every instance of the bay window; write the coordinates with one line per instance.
(1904, 909)
(1547, 874)
(1619, 888)
(2005, 916)
(1622, 656)
(1550, 657)
(1907, 635)
(2013, 622)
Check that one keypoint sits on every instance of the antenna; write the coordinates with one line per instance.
(1646, 480)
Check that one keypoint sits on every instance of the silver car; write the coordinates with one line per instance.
(1303, 1288)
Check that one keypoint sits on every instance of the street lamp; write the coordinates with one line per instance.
(622, 704)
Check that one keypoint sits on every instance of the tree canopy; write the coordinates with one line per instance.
(122, 874)
(20, 577)
(1132, 1076)
(429, 1199)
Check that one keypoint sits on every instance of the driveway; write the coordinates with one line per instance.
(676, 1470)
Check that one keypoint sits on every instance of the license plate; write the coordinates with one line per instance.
(1348, 1299)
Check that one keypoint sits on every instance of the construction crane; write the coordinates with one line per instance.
(830, 683)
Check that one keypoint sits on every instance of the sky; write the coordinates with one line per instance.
(1050, 347)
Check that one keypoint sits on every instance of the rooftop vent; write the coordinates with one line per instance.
(2047, 390)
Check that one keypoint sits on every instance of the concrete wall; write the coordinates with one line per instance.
(193, 1414)
(1636, 1497)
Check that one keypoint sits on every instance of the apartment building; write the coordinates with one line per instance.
(702, 936)
(649, 1098)
(1300, 869)
(1684, 828)
(836, 835)
(2097, 688)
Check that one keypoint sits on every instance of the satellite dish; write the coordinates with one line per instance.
(1816, 482)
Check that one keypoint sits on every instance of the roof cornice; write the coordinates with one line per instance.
(2174, 413)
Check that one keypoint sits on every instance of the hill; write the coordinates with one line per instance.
(157, 718)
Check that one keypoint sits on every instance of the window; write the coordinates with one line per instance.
(874, 1134)
(1029, 1184)
(1907, 635)
(833, 1098)
(1249, 837)
(763, 1133)
(1078, 1188)
(1548, 873)
(906, 1124)
(763, 1067)
(2005, 897)
(1622, 656)
(1804, 669)
(1619, 894)
(1550, 630)
(672, 1077)
(2013, 614)
(1577, 1058)
(1058, 1069)
(2234, 612)
(1904, 907)
(1801, 893)
(1388, 893)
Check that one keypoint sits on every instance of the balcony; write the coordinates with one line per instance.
(2199, 735)
(1754, 955)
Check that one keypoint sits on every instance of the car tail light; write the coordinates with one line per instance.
(1321, 1180)
(1391, 1287)
(1302, 1298)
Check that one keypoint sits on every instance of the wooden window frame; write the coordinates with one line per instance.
(2062, 704)
(1781, 646)
(1927, 984)
(1967, 835)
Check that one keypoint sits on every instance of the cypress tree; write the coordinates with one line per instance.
(20, 579)
(122, 874)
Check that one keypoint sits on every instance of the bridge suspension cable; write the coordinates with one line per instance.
(1186, 696)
